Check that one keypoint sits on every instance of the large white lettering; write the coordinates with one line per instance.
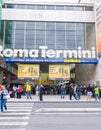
(44, 52)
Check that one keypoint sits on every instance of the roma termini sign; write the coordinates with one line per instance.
(44, 52)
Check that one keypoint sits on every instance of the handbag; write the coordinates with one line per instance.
(7, 96)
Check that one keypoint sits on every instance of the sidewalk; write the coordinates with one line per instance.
(50, 98)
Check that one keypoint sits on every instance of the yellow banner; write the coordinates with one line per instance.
(28, 71)
(59, 71)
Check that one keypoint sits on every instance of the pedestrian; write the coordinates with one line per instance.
(78, 92)
(15, 91)
(71, 91)
(62, 89)
(28, 90)
(19, 91)
(41, 92)
(4, 93)
(97, 93)
(1, 91)
(89, 92)
(37, 90)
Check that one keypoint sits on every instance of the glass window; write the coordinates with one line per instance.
(11, 6)
(19, 36)
(20, 25)
(50, 7)
(40, 26)
(60, 47)
(80, 38)
(59, 7)
(70, 33)
(41, 7)
(21, 6)
(19, 32)
(40, 42)
(71, 42)
(50, 33)
(40, 34)
(30, 25)
(60, 33)
(30, 6)
(29, 37)
(50, 26)
(69, 8)
(79, 32)
(30, 32)
(70, 37)
(31, 46)
(79, 8)
(70, 26)
(70, 47)
(87, 8)
(60, 26)
(51, 46)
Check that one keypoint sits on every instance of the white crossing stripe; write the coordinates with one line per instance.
(23, 108)
(81, 113)
(69, 109)
(13, 123)
(22, 104)
(17, 114)
(12, 129)
(14, 113)
(14, 118)
(26, 110)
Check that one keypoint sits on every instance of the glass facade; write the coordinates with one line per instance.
(55, 35)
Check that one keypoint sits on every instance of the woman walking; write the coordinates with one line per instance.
(4, 93)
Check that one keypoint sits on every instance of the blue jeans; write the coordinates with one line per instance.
(97, 97)
(62, 95)
(3, 104)
(28, 94)
(0, 104)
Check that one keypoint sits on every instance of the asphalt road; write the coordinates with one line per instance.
(31, 115)
(56, 119)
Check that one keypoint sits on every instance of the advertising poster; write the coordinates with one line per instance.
(59, 71)
(28, 71)
(98, 24)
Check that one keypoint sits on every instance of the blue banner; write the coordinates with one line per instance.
(71, 61)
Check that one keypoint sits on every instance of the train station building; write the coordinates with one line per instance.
(50, 41)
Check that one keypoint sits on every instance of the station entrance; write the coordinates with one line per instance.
(47, 74)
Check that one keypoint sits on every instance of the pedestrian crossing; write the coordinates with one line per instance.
(16, 117)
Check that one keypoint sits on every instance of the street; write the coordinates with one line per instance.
(29, 115)
(57, 116)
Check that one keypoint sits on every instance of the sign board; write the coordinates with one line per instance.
(40, 60)
(59, 71)
(98, 24)
(28, 71)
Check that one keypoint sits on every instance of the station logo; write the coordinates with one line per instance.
(44, 52)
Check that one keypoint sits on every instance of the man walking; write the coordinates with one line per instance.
(41, 92)
(28, 90)
(97, 93)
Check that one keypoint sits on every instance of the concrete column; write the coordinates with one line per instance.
(8, 78)
(1, 76)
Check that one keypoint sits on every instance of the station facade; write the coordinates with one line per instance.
(48, 35)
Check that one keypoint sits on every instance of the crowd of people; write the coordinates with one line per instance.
(75, 92)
